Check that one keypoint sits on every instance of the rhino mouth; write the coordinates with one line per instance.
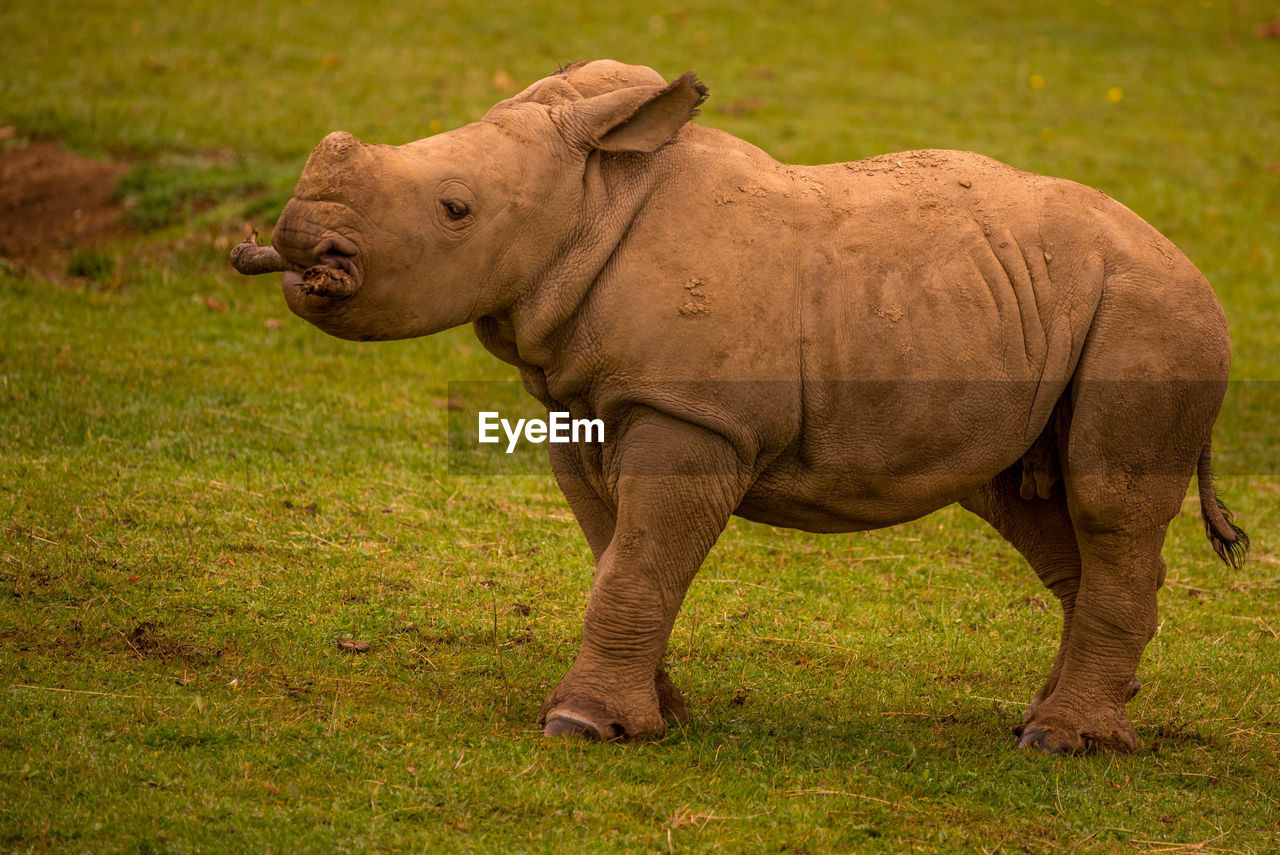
(337, 276)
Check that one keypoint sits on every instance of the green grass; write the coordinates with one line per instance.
(172, 188)
(199, 494)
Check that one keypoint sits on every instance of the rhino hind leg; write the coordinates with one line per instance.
(1144, 395)
(1088, 712)
(1042, 532)
(1114, 619)
(1131, 452)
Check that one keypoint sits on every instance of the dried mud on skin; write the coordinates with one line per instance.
(53, 201)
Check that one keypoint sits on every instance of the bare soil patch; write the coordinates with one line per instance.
(53, 202)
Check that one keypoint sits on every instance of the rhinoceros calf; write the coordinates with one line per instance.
(830, 348)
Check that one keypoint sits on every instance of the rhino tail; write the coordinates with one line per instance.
(1228, 539)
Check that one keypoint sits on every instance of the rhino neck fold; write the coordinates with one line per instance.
(616, 189)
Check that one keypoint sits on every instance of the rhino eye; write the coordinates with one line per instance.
(455, 210)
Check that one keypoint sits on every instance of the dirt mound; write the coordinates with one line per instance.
(53, 201)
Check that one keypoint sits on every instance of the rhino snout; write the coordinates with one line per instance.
(319, 261)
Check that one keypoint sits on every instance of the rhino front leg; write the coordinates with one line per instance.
(675, 486)
(598, 520)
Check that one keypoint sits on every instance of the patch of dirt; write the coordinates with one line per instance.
(53, 202)
(146, 639)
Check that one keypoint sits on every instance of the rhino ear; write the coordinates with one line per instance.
(634, 119)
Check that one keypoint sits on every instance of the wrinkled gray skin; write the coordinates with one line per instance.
(830, 348)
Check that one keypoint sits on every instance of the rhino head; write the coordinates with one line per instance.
(386, 242)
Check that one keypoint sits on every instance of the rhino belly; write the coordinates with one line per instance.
(870, 455)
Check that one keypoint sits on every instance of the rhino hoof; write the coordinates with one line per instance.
(565, 723)
(1036, 739)
(1060, 734)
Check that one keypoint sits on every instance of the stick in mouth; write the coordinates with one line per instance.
(253, 260)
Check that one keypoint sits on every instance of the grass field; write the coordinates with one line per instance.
(201, 494)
